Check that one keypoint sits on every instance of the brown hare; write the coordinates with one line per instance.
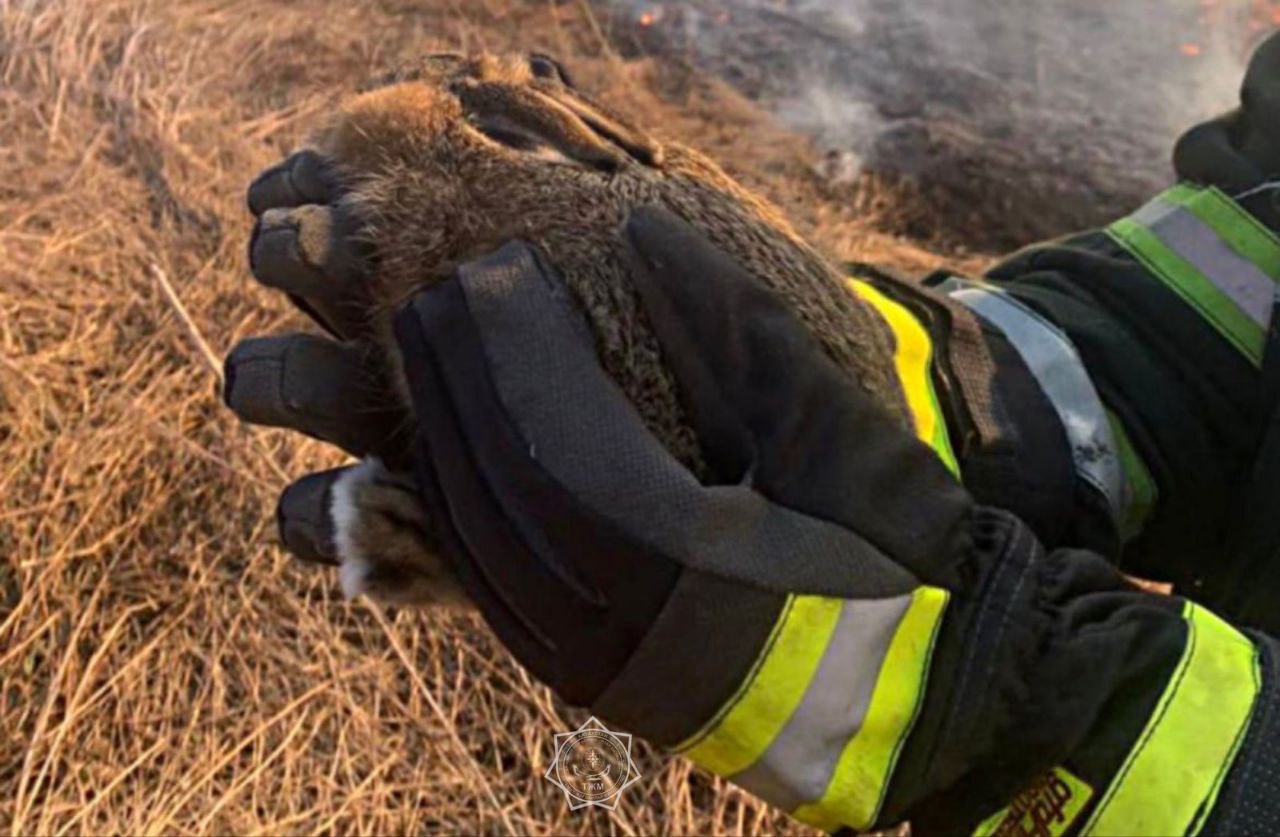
(464, 153)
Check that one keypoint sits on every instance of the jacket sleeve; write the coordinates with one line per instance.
(1059, 698)
(1170, 312)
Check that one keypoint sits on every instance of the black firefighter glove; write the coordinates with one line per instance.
(829, 621)
(303, 242)
(1239, 152)
(331, 388)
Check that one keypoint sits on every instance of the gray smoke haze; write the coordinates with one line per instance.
(1057, 113)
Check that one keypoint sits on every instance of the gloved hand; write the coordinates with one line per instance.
(829, 621)
(336, 390)
(305, 242)
(1240, 151)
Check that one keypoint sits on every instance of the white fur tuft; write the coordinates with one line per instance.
(355, 567)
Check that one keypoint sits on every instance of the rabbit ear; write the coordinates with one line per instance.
(526, 120)
(549, 119)
(635, 142)
(555, 82)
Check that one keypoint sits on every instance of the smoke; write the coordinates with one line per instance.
(1078, 101)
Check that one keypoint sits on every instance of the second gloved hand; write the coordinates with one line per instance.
(828, 620)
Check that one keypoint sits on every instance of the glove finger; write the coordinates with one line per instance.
(304, 517)
(1207, 154)
(311, 253)
(735, 372)
(332, 391)
(307, 250)
(305, 177)
(1240, 150)
(1260, 90)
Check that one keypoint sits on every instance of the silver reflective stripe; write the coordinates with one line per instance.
(1196, 242)
(799, 763)
(1057, 368)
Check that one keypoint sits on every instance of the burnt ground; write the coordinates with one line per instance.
(994, 124)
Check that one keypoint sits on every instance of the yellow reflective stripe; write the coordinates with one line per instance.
(1171, 778)
(743, 730)
(1237, 227)
(1143, 493)
(1213, 254)
(913, 361)
(857, 789)
(1192, 286)
(750, 721)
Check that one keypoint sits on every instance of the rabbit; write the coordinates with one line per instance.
(448, 161)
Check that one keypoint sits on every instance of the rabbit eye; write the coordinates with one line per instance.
(544, 66)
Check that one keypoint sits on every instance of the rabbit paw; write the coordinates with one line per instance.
(383, 541)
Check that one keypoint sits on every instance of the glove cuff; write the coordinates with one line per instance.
(1114, 710)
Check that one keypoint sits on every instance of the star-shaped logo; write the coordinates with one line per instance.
(592, 765)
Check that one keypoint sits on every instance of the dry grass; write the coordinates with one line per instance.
(164, 667)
